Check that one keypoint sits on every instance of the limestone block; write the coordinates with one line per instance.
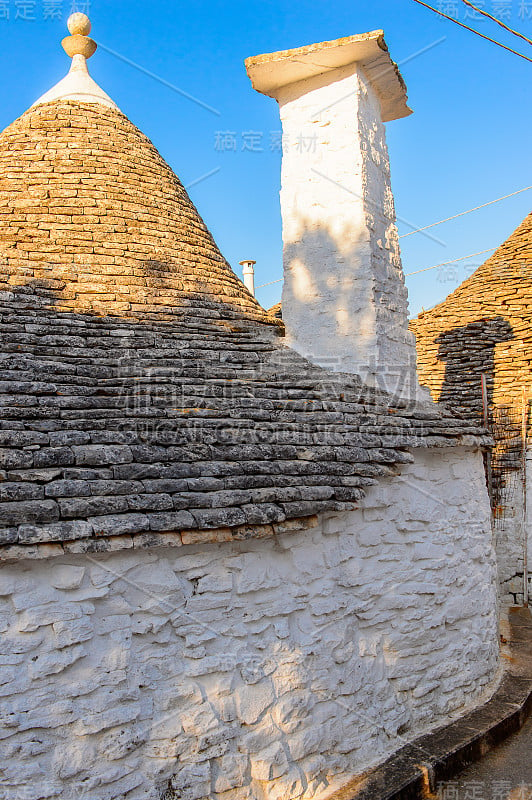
(34, 618)
(271, 763)
(192, 783)
(120, 715)
(216, 581)
(231, 773)
(160, 677)
(67, 577)
(252, 701)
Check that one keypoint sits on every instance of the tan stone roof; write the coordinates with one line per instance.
(93, 217)
(483, 326)
(276, 310)
(146, 398)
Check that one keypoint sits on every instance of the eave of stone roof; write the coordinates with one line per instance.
(146, 398)
(509, 268)
(118, 429)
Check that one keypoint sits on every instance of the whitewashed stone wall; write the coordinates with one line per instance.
(344, 298)
(513, 530)
(510, 551)
(266, 669)
(528, 521)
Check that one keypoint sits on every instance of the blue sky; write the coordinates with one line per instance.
(467, 142)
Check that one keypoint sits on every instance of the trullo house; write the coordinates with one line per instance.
(239, 559)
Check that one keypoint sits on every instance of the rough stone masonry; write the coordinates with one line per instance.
(483, 329)
(270, 668)
(225, 573)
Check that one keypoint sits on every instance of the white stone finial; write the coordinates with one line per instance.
(78, 84)
(79, 23)
(79, 44)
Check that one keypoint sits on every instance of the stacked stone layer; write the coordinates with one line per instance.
(112, 428)
(92, 217)
(144, 392)
(482, 327)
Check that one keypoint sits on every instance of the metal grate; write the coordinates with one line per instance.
(506, 460)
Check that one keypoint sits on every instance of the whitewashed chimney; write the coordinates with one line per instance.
(248, 272)
(344, 298)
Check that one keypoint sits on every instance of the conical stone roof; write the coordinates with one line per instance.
(145, 396)
(92, 216)
(483, 327)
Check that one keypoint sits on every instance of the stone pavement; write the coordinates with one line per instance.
(504, 774)
(485, 755)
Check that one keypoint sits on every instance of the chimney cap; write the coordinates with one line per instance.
(271, 71)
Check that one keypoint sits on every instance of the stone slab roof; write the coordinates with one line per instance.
(146, 396)
(92, 216)
(482, 327)
(111, 427)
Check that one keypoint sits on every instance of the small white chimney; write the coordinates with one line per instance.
(344, 297)
(248, 269)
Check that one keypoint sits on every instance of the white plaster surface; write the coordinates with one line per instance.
(77, 85)
(344, 298)
(512, 530)
(271, 71)
(260, 670)
(528, 521)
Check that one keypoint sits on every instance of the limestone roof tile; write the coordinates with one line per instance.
(146, 397)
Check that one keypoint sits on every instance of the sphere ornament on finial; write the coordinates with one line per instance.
(77, 85)
(79, 23)
(78, 43)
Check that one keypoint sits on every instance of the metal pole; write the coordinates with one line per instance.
(524, 435)
(485, 399)
(485, 416)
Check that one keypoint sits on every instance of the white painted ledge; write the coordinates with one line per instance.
(271, 71)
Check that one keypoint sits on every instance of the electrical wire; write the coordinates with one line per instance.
(472, 30)
(269, 284)
(454, 261)
(463, 213)
(417, 272)
(498, 21)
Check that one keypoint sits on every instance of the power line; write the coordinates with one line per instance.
(472, 30)
(408, 274)
(269, 284)
(498, 21)
(463, 213)
(454, 261)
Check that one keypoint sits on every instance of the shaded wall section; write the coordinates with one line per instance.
(484, 327)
